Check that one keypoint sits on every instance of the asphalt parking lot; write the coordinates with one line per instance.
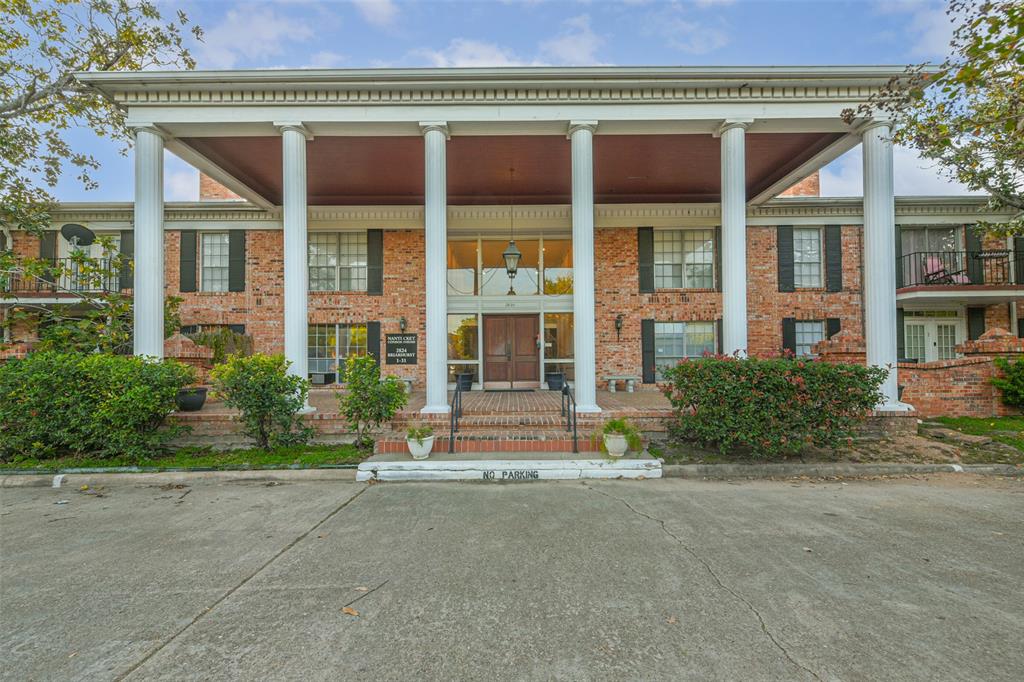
(768, 580)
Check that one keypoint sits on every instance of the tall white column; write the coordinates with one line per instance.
(296, 274)
(734, 237)
(149, 243)
(581, 136)
(880, 259)
(435, 219)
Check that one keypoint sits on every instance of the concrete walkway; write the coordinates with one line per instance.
(671, 579)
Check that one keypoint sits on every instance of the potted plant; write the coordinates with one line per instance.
(420, 440)
(191, 398)
(619, 436)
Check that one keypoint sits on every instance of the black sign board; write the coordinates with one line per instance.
(400, 349)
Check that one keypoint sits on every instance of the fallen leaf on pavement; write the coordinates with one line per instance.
(671, 620)
(362, 589)
(349, 611)
(808, 549)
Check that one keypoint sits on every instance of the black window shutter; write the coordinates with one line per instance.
(236, 260)
(373, 340)
(375, 262)
(718, 258)
(187, 261)
(784, 246)
(645, 258)
(975, 272)
(832, 327)
(719, 337)
(3, 242)
(901, 344)
(975, 323)
(647, 350)
(1020, 327)
(48, 252)
(833, 258)
(127, 252)
(1018, 260)
(789, 334)
(899, 257)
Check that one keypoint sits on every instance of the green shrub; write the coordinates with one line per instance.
(71, 404)
(772, 406)
(368, 400)
(1011, 384)
(269, 398)
(419, 433)
(224, 343)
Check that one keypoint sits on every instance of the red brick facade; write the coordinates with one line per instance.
(808, 187)
(211, 190)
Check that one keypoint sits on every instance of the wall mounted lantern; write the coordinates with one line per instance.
(402, 324)
(618, 327)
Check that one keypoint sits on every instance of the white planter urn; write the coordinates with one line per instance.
(420, 449)
(616, 444)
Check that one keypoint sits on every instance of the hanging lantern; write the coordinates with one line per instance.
(511, 255)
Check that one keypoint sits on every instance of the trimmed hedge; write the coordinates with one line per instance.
(772, 406)
(71, 404)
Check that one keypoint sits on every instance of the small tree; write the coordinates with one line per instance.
(269, 398)
(968, 115)
(369, 401)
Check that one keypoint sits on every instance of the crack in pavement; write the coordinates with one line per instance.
(202, 614)
(711, 571)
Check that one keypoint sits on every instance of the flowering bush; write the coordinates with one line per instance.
(772, 406)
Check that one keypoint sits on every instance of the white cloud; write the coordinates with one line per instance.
(325, 59)
(466, 52)
(912, 176)
(181, 180)
(577, 44)
(245, 38)
(928, 27)
(377, 12)
(685, 33)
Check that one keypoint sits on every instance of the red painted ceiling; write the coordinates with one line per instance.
(627, 168)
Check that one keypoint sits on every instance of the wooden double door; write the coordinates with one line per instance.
(511, 351)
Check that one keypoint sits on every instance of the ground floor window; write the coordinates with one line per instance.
(329, 345)
(808, 333)
(674, 341)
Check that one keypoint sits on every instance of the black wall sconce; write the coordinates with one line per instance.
(402, 324)
(618, 327)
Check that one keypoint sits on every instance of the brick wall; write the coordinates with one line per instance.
(808, 187)
(617, 292)
(211, 190)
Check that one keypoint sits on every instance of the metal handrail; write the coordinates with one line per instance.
(454, 415)
(569, 412)
(988, 266)
(65, 277)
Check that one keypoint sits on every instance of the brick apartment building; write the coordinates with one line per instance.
(658, 214)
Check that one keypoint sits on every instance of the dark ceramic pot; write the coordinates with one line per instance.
(465, 380)
(191, 399)
(555, 380)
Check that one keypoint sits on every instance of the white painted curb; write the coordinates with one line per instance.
(504, 470)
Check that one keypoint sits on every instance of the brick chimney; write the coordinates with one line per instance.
(211, 190)
(808, 187)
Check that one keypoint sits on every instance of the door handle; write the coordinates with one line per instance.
(508, 350)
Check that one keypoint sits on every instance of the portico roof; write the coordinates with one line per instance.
(654, 141)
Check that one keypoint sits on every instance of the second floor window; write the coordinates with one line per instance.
(807, 257)
(684, 259)
(214, 261)
(337, 261)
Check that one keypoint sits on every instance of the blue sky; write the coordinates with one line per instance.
(392, 33)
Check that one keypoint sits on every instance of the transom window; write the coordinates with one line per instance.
(476, 267)
(213, 259)
(684, 259)
(674, 341)
(807, 257)
(808, 333)
(330, 345)
(337, 261)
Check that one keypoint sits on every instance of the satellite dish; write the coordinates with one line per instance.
(78, 235)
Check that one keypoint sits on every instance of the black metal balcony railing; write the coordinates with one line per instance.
(934, 268)
(68, 277)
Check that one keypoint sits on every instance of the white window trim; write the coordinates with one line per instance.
(796, 332)
(821, 258)
(200, 278)
(336, 287)
(683, 286)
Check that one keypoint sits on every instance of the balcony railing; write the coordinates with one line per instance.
(946, 268)
(66, 278)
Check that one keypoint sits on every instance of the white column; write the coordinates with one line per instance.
(734, 237)
(435, 223)
(149, 243)
(296, 274)
(880, 259)
(581, 135)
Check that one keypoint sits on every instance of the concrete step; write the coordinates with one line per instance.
(491, 441)
(518, 467)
